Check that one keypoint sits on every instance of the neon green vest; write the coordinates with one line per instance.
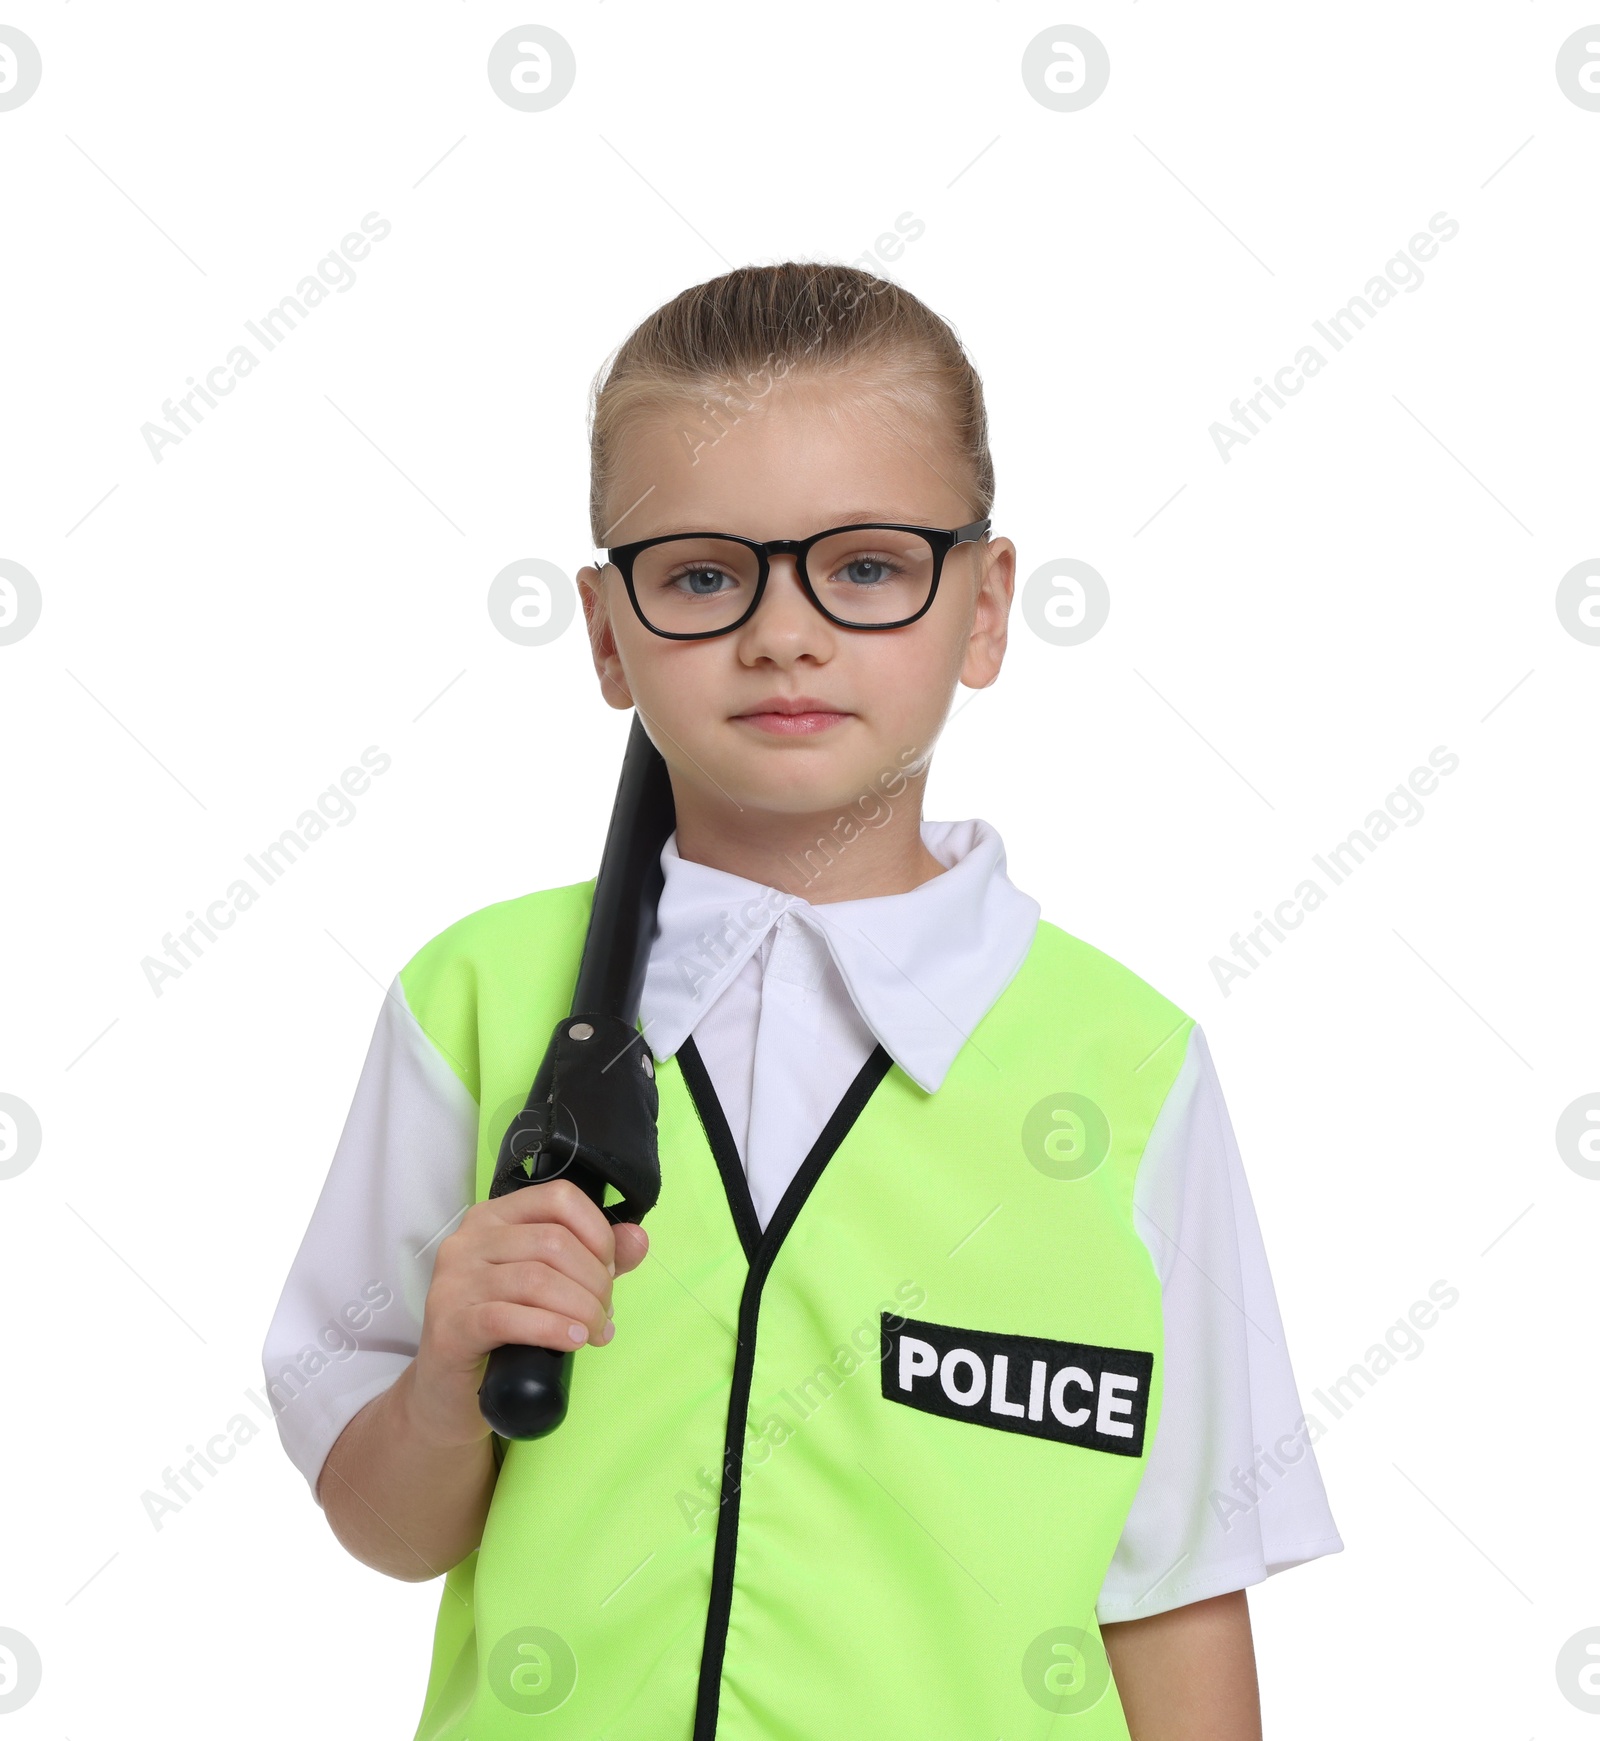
(861, 1475)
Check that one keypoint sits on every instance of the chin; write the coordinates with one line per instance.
(806, 786)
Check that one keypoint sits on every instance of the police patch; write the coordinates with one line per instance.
(1071, 1391)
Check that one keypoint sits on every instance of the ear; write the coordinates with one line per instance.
(602, 639)
(986, 641)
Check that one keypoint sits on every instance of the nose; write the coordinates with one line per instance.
(786, 621)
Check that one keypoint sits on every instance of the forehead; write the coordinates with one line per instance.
(802, 456)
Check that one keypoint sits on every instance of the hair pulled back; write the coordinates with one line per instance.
(721, 346)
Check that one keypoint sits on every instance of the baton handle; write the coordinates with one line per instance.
(523, 1394)
(524, 1390)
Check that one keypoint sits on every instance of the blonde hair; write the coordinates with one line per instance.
(723, 344)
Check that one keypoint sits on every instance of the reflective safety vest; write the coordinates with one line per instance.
(860, 1474)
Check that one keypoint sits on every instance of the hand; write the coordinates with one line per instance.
(535, 1267)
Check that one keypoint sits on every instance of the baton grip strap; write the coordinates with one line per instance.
(597, 1122)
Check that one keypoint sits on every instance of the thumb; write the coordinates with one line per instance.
(632, 1243)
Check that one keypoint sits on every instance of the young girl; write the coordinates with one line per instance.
(946, 1393)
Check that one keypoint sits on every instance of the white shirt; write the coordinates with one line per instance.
(804, 992)
(786, 1001)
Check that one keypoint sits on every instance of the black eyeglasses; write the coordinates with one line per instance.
(689, 586)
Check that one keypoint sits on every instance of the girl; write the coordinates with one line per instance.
(946, 1393)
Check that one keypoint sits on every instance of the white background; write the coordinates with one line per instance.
(1291, 632)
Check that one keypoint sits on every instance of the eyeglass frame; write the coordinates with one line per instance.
(942, 541)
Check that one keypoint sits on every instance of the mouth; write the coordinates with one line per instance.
(792, 716)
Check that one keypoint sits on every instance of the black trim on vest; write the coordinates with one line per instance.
(723, 1148)
(761, 1248)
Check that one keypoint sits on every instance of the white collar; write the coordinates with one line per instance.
(923, 968)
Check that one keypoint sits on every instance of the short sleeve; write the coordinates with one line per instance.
(349, 1319)
(1231, 1490)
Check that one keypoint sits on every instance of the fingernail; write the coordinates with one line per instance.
(612, 1267)
(609, 1331)
(577, 1332)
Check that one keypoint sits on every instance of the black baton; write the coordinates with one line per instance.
(591, 1113)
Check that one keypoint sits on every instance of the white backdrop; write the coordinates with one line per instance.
(1295, 621)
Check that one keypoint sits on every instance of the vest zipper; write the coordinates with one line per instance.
(761, 1249)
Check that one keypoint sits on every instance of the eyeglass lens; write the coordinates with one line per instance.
(864, 575)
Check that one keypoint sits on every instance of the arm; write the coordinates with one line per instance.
(1188, 1674)
(407, 1485)
(396, 1500)
(1231, 1492)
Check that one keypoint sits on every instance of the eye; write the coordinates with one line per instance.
(697, 580)
(867, 571)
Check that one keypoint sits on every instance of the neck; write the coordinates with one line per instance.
(828, 856)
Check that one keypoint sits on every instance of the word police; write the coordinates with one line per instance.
(1070, 1391)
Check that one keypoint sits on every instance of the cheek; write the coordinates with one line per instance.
(911, 676)
(676, 681)
(642, 654)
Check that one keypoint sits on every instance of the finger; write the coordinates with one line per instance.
(537, 1284)
(551, 1242)
(503, 1321)
(560, 1200)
